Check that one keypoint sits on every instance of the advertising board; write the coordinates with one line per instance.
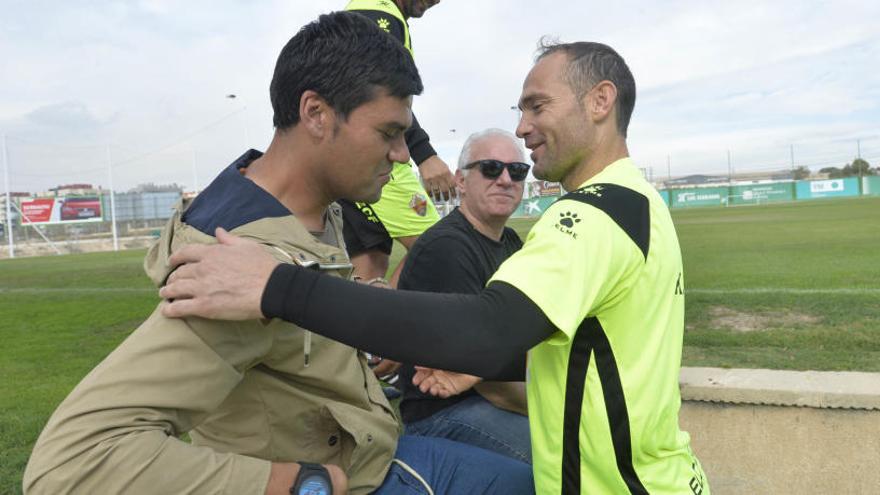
(68, 209)
(831, 188)
(701, 196)
(761, 193)
(544, 188)
(533, 207)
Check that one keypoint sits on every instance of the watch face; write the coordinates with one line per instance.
(314, 484)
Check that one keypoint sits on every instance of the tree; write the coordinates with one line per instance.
(800, 173)
(859, 168)
(833, 172)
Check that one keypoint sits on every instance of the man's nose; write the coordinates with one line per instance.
(399, 152)
(523, 127)
(504, 179)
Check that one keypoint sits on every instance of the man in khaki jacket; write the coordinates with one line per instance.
(257, 397)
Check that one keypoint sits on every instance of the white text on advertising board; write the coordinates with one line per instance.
(820, 186)
(685, 197)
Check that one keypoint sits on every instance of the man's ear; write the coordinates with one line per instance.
(459, 181)
(316, 116)
(600, 100)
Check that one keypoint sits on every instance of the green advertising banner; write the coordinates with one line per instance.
(702, 196)
(831, 188)
(534, 207)
(871, 185)
(761, 193)
(665, 195)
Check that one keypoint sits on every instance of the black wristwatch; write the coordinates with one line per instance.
(313, 479)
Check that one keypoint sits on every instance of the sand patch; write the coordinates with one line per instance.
(741, 321)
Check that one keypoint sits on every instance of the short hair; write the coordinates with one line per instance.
(345, 58)
(465, 157)
(590, 63)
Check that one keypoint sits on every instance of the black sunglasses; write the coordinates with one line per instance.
(491, 169)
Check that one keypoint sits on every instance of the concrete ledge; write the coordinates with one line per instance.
(817, 389)
(775, 432)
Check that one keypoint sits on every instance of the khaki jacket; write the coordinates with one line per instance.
(240, 389)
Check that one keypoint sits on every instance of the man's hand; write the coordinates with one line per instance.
(224, 281)
(385, 367)
(443, 384)
(437, 179)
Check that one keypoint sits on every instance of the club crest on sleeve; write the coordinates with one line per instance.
(419, 204)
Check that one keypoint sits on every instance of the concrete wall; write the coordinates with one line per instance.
(752, 437)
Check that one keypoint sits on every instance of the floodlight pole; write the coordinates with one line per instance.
(112, 201)
(859, 156)
(729, 170)
(8, 200)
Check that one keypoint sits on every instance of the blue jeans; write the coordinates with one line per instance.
(476, 421)
(453, 468)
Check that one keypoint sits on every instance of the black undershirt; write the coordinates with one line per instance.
(484, 335)
(451, 257)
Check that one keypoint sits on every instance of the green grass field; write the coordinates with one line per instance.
(789, 286)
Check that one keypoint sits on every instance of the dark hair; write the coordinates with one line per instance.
(345, 58)
(590, 63)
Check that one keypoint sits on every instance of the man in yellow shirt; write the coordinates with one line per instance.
(596, 297)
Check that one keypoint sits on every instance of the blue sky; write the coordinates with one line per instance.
(147, 81)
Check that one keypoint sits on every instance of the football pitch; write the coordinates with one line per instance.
(786, 286)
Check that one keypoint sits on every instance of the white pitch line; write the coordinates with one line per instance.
(788, 290)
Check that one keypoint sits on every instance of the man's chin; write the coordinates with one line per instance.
(546, 172)
(372, 198)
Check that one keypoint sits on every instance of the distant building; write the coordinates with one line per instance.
(74, 190)
(696, 180)
(700, 180)
(139, 206)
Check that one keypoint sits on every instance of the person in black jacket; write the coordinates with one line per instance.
(458, 255)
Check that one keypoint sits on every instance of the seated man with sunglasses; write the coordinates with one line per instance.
(458, 255)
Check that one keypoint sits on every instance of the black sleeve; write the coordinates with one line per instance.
(483, 335)
(418, 142)
(431, 268)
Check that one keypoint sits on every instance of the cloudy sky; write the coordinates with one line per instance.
(143, 85)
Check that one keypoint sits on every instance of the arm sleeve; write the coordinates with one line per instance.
(418, 142)
(482, 335)
(117, 432)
